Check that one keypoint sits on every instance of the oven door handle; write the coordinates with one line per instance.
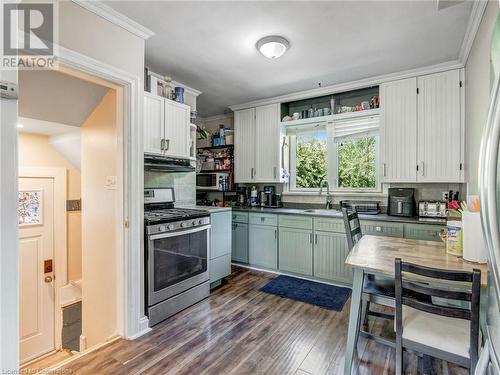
(179, 232)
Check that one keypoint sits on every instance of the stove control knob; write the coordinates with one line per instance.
(183, 224)
(170, 227)
(200, 221)
(162, 228)
(194, 223)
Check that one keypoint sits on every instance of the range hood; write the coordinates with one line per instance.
(167, 164)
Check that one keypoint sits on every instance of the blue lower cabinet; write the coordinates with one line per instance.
(330, 253)
(296, 251)
(263, 246)
(220, 267)
(426, 232)
(239, 245)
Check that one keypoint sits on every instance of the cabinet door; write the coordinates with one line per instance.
(398, 131)
(244, 140)
(239, 241)
(263, 246)
(439, 127)
(154, 118)
(177, 129)
(295, 251)
(330, 253)
(220, 234)
(425, 232)
(267, 144)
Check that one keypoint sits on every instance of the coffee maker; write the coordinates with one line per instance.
(242, 195)
(266, 196)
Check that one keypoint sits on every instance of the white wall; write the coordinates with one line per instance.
(477, 93)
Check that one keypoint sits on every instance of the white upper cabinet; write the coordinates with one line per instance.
(244, 141)
(166, 127)
(177, 137)
(154, 119)
(439, 130)
(421, 131)
(267, 144)
(398, 131)
(257, 148)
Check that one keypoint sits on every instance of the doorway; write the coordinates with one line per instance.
(72, 129)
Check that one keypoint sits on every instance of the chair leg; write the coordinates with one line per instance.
(427, 364)
(399, 356)
(365, 307)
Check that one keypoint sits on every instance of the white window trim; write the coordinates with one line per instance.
(332, 170)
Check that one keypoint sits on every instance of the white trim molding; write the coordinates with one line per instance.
(478, 8)
(187, 89)
(352, 85)
(115, 18)
(217, 117)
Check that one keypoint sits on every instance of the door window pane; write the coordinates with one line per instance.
(29, 207)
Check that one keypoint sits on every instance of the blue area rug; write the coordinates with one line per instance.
(323, 295)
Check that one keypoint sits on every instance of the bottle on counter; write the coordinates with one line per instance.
(253, 196)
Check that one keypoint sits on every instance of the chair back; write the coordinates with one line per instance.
(416, 295)
(352, 227)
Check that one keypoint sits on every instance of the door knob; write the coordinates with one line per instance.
(48, 279)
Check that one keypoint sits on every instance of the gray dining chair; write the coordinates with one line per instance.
(446, 331)
(376, 290)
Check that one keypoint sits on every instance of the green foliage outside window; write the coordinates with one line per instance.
(311, 162)
(356, 160)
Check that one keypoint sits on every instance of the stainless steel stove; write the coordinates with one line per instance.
(177, 249)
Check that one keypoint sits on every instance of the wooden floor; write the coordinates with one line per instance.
(45, 362)
(240, 330)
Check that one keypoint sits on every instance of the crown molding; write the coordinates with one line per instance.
(352, 85)
(475, 18)
(115, 17)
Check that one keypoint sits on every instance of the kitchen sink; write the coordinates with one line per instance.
(322, 211)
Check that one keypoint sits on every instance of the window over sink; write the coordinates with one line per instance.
(344, 152)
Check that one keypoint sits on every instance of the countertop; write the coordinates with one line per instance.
(335, 214)
(210, 209)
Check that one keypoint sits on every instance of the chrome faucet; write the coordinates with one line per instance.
(329, 197)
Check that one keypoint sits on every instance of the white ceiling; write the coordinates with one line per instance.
(210, 46)
(57, 97)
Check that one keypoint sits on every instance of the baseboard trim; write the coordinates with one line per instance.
(143, 328)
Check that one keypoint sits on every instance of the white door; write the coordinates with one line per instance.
(153, 124)
(267, 144)
(244, 145)
(36, 248)
(177, 135)
(398, 131)
(439, 127)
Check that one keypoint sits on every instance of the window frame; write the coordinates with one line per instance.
(332, 165)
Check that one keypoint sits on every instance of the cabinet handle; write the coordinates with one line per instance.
(315, 239)
(251, 173)
(384, 169)
(274, 169)
(275, 234)
(311, 238)
(162, 144)
(422, 170)
(167, 144)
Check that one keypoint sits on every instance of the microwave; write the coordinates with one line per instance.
(212, 181)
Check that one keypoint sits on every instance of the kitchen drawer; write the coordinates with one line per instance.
(423, 232)
(329, 224)
(240, 217)
(263, 219)
(220, 267)
(382, 228)
(295, 221)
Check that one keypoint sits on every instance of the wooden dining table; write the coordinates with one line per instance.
(375, 255)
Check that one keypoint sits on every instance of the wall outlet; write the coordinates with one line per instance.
(110, 183)
(444, 195)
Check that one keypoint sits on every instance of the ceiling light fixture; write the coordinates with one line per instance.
(273, 46)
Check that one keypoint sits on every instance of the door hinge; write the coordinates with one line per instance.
(460, 83)
(418, 91)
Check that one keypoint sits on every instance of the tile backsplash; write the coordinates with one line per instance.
(184, 184)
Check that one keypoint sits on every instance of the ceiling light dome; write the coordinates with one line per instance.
(273, 46)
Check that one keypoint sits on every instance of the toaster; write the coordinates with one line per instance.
(433, 209)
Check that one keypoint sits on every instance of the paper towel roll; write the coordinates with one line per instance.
(474, 244)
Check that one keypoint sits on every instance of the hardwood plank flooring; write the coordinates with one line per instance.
(240, 330)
